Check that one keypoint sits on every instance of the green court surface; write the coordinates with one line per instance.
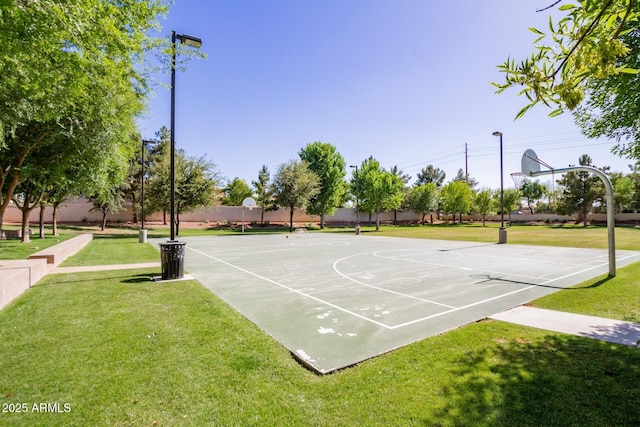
(336, 299)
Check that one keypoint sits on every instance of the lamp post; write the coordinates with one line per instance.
(172, 251)
(357, 201)
(502, 234)
(142, 238)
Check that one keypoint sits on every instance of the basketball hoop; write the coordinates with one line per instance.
(250, 203)
(518, 179)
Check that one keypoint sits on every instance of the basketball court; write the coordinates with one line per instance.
(337, 299)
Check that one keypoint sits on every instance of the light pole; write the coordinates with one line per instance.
(172, 251)
(502, 234)
(196, 43)
(142, 238)
(357, 201)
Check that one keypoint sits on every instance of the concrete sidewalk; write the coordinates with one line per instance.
(64, 270)
(614, 331)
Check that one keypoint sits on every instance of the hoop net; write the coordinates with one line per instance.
(518, 179)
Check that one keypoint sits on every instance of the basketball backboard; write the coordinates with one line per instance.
(529, 163)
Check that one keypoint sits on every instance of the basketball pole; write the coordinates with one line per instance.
(611, 217)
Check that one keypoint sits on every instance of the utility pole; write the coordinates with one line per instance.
(466, 161)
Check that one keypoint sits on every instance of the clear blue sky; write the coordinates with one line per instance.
(407, 82)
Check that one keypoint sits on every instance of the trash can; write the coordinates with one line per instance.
(502, 235)
(172, 259)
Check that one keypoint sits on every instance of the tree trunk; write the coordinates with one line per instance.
(1, 221)
(177, 222)
(9, 186)
(291, 220)
(322, 219)
(25, 226)
(42, 207)
(585, 211)
(262, 215)
(377, 220)
(104, 220)
(26, 210)
(54, 221)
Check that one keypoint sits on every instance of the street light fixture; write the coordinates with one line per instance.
(172, 251)
(357, 201)
(502, 234)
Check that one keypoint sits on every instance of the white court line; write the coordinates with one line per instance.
(291, 289)
(453, 309)
(455, 267)
(379, 288)
(504, 295)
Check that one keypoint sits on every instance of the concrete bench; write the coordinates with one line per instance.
(58, 253)
(17, 276)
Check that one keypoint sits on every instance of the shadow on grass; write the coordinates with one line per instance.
(543, 383)
(140, 278)
(102, 276)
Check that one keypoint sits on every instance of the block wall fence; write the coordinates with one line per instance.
(77, 210)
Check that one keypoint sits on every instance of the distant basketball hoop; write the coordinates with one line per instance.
(250, 203)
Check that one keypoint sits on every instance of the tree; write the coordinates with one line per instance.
(611, 106)
(532, 191)
(431, 174)
(580, 191)
(197, 181)
(70, 72)
(264, 192)
(107, 201)
(635, 178)
(483, 203)
(406, 190)
(586, 45)
(512, 200)
(294, 185)
(457, 198)
(235, 192)
(378, 188)
(324, 160)
(622, 191)
(423, 199)
(461, 176)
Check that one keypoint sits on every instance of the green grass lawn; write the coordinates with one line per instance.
(121, 350)
(113, 249)
(545, 235)
(14, 249)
